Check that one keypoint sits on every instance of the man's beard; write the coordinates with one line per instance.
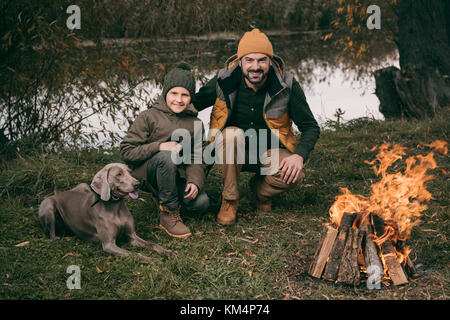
(264, 76)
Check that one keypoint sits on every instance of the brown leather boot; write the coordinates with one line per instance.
(170, 221)
(262, 204)
(228, 211)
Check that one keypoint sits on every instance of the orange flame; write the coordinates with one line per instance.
(397, 197)
(437, 145)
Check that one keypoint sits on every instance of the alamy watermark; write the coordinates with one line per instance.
(74, 20)
(374, 20)
(374, 277)
(74, 280)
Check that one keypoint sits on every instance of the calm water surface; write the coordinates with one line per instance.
(325, 74)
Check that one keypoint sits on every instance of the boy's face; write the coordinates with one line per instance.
(178, 99)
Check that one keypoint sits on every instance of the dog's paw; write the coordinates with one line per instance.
(145, 258)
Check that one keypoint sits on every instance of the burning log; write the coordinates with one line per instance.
(336, 258)
(389, 254)
(371, 255)
(336, 255)
(349, 268)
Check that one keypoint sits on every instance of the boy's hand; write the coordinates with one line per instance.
(192, 191)
(170, 146)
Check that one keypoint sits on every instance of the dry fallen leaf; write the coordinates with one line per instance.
(250, 254)
(98, 269)
(22, 244)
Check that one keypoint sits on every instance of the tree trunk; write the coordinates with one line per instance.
(421, 88)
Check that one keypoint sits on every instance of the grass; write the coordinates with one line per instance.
(263, 256)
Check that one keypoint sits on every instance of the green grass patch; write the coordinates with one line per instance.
(262, 256)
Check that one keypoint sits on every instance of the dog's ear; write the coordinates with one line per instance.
(100, 184)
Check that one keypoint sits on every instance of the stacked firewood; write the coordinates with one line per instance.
(362, 243)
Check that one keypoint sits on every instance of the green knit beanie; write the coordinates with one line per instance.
(181, 76)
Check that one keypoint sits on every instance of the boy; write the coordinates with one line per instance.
(147, 149)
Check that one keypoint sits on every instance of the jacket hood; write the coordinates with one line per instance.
(161, 105)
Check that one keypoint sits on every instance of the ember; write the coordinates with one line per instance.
(368, 234)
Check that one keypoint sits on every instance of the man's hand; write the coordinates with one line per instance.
(290, 168)
(192, 191)
(170, 146)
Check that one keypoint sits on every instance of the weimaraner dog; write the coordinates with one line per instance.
(98, 212)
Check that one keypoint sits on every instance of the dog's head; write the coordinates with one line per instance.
(115, 179)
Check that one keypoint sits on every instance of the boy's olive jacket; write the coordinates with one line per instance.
(155, 126)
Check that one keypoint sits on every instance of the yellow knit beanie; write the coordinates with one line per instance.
(254, 42)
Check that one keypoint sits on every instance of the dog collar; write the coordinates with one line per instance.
(114, 198)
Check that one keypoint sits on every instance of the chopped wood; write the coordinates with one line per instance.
(348, 267)
(370, 249)
(323, 252)
(332, 268)
(394, 268)
(360, 240)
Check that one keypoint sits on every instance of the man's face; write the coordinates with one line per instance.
(178, 99)
(255, 67)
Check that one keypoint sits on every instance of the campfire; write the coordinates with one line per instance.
(367, 235)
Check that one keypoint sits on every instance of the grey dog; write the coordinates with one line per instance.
(98, 212)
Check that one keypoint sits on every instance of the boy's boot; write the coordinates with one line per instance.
(170, 221)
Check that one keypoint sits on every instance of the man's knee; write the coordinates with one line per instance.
(230, 136)
(230, 146)
(232, 131)
(276, 181)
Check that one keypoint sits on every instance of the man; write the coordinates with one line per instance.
(254, 95)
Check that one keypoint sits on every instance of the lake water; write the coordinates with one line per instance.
(326, 78)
